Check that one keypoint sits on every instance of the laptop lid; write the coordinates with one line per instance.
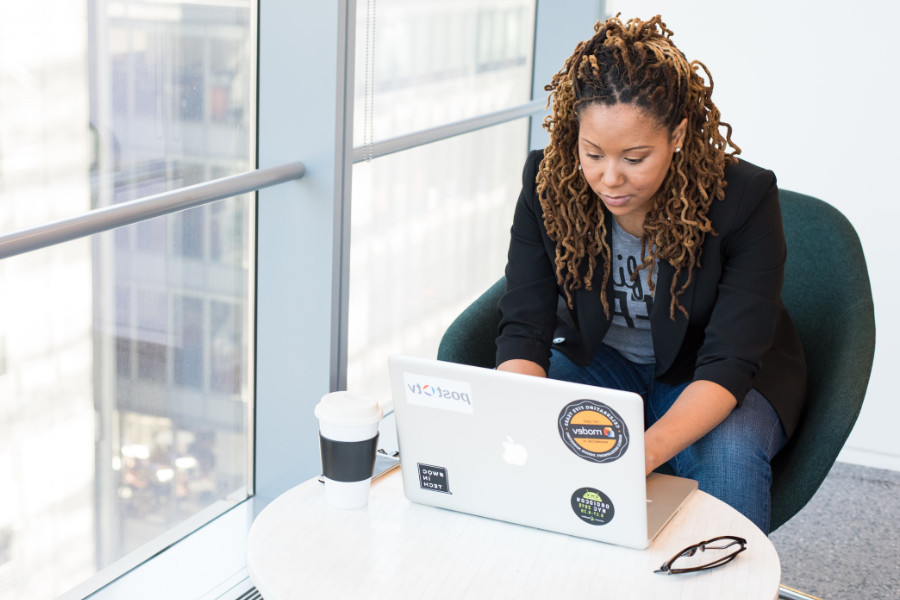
(551, 454)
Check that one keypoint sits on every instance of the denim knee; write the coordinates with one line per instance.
(732, 461)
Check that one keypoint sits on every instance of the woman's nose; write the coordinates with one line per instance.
(611, 176)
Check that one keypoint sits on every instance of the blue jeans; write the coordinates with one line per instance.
(731, 462)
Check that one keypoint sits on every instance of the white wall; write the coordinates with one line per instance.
(810, 89)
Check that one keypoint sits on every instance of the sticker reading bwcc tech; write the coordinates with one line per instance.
(593, 431)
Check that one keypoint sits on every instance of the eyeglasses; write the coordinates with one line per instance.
(715, 553)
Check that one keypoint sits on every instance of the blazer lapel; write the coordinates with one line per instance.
(668, 334)
(592, 321)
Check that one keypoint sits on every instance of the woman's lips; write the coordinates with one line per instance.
(615, 200)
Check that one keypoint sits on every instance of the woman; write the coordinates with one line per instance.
(645, 256)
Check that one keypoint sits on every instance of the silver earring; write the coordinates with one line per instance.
(579, 167)
(678, 149)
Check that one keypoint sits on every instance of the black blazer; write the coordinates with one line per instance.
(739, 334)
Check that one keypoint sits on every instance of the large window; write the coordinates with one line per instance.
(155, 374)
(125, 358)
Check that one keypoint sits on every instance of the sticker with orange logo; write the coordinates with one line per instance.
(593, 431)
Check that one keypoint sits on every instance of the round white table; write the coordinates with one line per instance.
(301, 548)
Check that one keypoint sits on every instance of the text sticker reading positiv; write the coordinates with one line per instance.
(442, 394)
(593, 431)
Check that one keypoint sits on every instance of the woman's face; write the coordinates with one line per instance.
(625, 155)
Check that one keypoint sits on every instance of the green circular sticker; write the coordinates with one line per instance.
(593, 506)
(593, 431)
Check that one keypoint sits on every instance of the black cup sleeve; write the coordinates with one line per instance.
(348, 461)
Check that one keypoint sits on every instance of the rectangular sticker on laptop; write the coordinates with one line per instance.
(434, 392)
(433, 478)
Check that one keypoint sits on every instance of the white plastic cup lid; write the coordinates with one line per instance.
(348, 408)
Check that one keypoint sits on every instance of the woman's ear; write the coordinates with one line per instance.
(679, 133)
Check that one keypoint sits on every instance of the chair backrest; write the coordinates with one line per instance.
(828, 295)
(470, 338)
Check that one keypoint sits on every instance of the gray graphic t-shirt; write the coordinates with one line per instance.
(629, 332)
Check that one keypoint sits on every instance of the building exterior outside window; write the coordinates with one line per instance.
(125, 388)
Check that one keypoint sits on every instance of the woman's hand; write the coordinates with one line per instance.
(700, 407)
(525, 367)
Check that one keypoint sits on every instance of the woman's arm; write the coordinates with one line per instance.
(528, 307)
(747, 304)
(697, 411)
(741, 328)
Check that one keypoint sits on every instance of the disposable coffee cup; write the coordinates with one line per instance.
(348, 439)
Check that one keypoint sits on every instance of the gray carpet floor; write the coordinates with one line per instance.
(846, 542)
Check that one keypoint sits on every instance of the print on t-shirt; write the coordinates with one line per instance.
(629, 300)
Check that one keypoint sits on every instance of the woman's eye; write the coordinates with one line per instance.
(634, 161)
(594, 156)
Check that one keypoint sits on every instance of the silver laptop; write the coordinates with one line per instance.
(555, 455)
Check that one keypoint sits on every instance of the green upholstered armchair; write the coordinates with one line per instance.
(828, 295)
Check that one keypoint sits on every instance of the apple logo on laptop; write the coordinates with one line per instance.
(514, 453)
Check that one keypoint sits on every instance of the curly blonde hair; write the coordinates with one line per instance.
(633, 63)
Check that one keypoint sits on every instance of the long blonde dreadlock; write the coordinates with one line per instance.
(633, 63)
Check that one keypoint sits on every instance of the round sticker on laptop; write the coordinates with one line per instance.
(593, 431)
(593, 506)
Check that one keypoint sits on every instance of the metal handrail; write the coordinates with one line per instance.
(442, 132)
(127, 213)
